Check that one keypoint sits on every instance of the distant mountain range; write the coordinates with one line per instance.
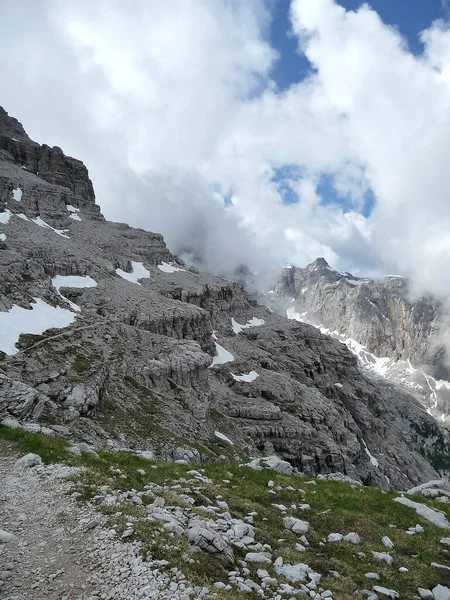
(392, 336)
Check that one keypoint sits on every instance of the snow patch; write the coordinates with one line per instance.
(72, 209)
(42, 223)
(17, 195)
(223, 437)
(2, 237)
(372, 458)
(74, 217)
(18, 320)
(247, 377)
(72, 281)
(438, 518)
(169, 268)
(5, 216)
(254, 322)
(138, 271)
(222, 356)
(292, 314)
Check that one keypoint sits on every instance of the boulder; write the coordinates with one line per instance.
(201, 536)
(27, 461)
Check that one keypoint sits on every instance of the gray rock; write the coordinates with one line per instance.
(378, 314)
(27, 461)
(80, 448)
(5, 536)
(296, 525)
(425, 594)
(209, 541)
(258, 557)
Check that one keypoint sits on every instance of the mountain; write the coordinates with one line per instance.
(392, 335)
(108, 338)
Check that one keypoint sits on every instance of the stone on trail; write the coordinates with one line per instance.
(5, 536)
(27, 461)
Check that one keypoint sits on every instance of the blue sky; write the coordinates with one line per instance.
(410, 17)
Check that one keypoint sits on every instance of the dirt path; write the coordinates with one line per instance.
(62, 549)
(48, 559)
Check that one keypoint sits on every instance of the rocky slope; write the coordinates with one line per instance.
(124, 527)
(108, 338)
(391, 335)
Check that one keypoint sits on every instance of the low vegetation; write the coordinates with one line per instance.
(335, 507)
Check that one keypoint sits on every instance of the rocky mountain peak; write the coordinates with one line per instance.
(26, 164)
(319, 263)
(390, 333)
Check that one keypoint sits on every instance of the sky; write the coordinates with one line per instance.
(251, 133)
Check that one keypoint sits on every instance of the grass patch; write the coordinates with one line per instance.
(84, 363)
(335, 507)
(51, 449)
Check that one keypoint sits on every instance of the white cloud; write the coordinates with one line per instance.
(172, 107)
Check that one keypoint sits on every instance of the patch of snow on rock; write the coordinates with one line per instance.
(373, 460)
(222, 356)
(223, 437)
(247, 377)
(138, 271)
(5, 216)
(42, 223)
(2, 237)
(75, 217)
(72, 281)
(292, 314)
(17, 195)
(254, 322)
(18, 320)
(169, 268)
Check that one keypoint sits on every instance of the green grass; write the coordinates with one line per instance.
(84, 363)
(367, 511)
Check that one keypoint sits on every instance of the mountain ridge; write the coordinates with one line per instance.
(391, 334)
(148, 355)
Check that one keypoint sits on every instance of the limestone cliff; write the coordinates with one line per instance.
(123, 345)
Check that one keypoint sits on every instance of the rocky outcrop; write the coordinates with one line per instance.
(164, 358)
(375, 312)
(377, 320)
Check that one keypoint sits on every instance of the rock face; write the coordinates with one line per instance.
(390, 334)
(119, 348)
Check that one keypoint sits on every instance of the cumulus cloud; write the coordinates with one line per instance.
(173, 108)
